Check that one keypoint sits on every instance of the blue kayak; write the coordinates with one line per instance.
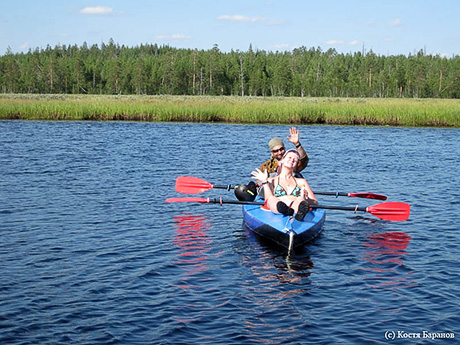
(284, 230)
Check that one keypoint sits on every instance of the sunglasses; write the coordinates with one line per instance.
(278, 150)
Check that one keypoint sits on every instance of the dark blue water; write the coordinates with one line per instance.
(91, 254)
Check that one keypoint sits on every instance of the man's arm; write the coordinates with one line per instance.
(303, 162)
(294, 138)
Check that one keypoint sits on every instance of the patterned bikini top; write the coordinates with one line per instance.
(280, 191)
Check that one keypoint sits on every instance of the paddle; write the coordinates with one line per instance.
(195, 185)
(394, 211)
(355, 195)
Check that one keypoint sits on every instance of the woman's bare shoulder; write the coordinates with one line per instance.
(300, 180)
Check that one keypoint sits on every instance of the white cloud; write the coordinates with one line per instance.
(274, 22)
(396, 22)
(282, 46)
(353, 43)
(333, 42)
(173, 37)
(25, 45)
(98, 10)
(241, 18)
(389, 39)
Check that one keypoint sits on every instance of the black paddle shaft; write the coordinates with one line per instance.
(237, 202)
(336, 194)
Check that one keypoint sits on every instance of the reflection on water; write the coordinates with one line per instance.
(386, 252)
(271, 263)
(274, 292)
(192, 240)
(389, 247)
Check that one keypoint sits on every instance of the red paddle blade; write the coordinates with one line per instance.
(203, 200)
(192, 185)
(368, 196)
(395, 211)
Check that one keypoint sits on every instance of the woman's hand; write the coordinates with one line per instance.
(260, 175)
(307, 192)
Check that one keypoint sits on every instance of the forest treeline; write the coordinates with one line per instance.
(152, 69)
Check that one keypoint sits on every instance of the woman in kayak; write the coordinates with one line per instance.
(286, 194)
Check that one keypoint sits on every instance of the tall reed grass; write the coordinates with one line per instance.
(338, 111)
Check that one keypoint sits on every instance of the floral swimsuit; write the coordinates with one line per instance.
(280, 191)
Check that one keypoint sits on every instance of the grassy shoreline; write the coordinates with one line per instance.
(250, 110)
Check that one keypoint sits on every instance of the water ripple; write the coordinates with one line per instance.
(91, 254)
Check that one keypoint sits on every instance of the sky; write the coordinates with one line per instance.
(387, 27)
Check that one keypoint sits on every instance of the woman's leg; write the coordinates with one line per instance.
(296, 203)
(301, 207)
(279, 207)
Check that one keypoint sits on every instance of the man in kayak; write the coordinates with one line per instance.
(277, 149)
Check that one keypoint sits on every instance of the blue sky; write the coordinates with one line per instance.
(388, 27)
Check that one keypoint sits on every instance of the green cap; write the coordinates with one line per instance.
(275, 142)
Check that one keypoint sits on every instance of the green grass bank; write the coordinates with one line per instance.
(253, 110)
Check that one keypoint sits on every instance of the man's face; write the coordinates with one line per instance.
(278, 152)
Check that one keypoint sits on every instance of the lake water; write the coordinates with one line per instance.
(91, 254)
